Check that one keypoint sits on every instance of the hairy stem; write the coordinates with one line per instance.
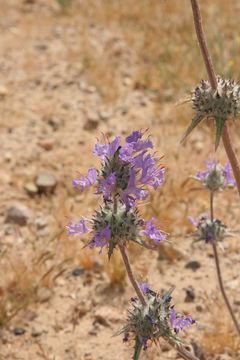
(219, 274)
(203, 44)
(231, 155)
(213, 81)
(138, 348)
(130, 274)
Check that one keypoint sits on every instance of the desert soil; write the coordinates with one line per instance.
(59, 302)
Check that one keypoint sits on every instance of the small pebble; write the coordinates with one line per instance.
(104, 115)
(190, 294)
(3, 91)
(30, 188)
(46, 182)
(41, 223)
(90, 125)
(44, 294)
(36, 333)
(78, 271)
(19, 331)
(127, 81)
(193, 265)
(46, 144)
(18, 214)
(199, 308)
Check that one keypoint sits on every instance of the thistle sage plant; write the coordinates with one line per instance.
(212, 231)
(126, 173)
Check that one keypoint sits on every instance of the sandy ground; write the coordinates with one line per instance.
(51, 115)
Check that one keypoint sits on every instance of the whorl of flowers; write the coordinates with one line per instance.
(126, 173)
(156, 319)
(208, 230)
(216, 177)
(220, 104)
(126, 169)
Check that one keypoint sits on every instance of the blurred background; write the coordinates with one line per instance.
(70, 71)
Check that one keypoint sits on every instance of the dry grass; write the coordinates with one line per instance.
(221, 338)
(115, 269)
(165, 53)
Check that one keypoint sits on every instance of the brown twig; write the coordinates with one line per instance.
(213, 81)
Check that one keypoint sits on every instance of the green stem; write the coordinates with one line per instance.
(219, 274)
(138, 348)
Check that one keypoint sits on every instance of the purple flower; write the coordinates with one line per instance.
(205, 228)
(134, 136)
(101, 150)
(86, 181)
(210, 165)
(192, 221)
(216, 177)
(179, 323)
(101, 238)
(132, 192)
(134, 169)
(78, 228)
(126, 152)
(144, 287)
(209, 230)
(144, 340)
(107, 186)
(153, 232)
(227, 171)
(137, 144)
(106, 151)
(143, 145)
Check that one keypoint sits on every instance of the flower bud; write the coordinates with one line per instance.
(156, 318)
(210, 231)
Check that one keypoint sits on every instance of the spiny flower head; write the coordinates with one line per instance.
(157, 318)
(216, 177)
(209, 230)
(220, 104)
(127, 170)
(115, 224)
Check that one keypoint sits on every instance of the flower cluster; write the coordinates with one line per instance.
(126, 173)
(157, 318)
(216, 177)
(218, 104)
(126, 169)
(208, 230)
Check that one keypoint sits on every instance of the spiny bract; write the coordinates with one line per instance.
(124, 225)
(209, 230)
(154, 319)
(220, 104)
